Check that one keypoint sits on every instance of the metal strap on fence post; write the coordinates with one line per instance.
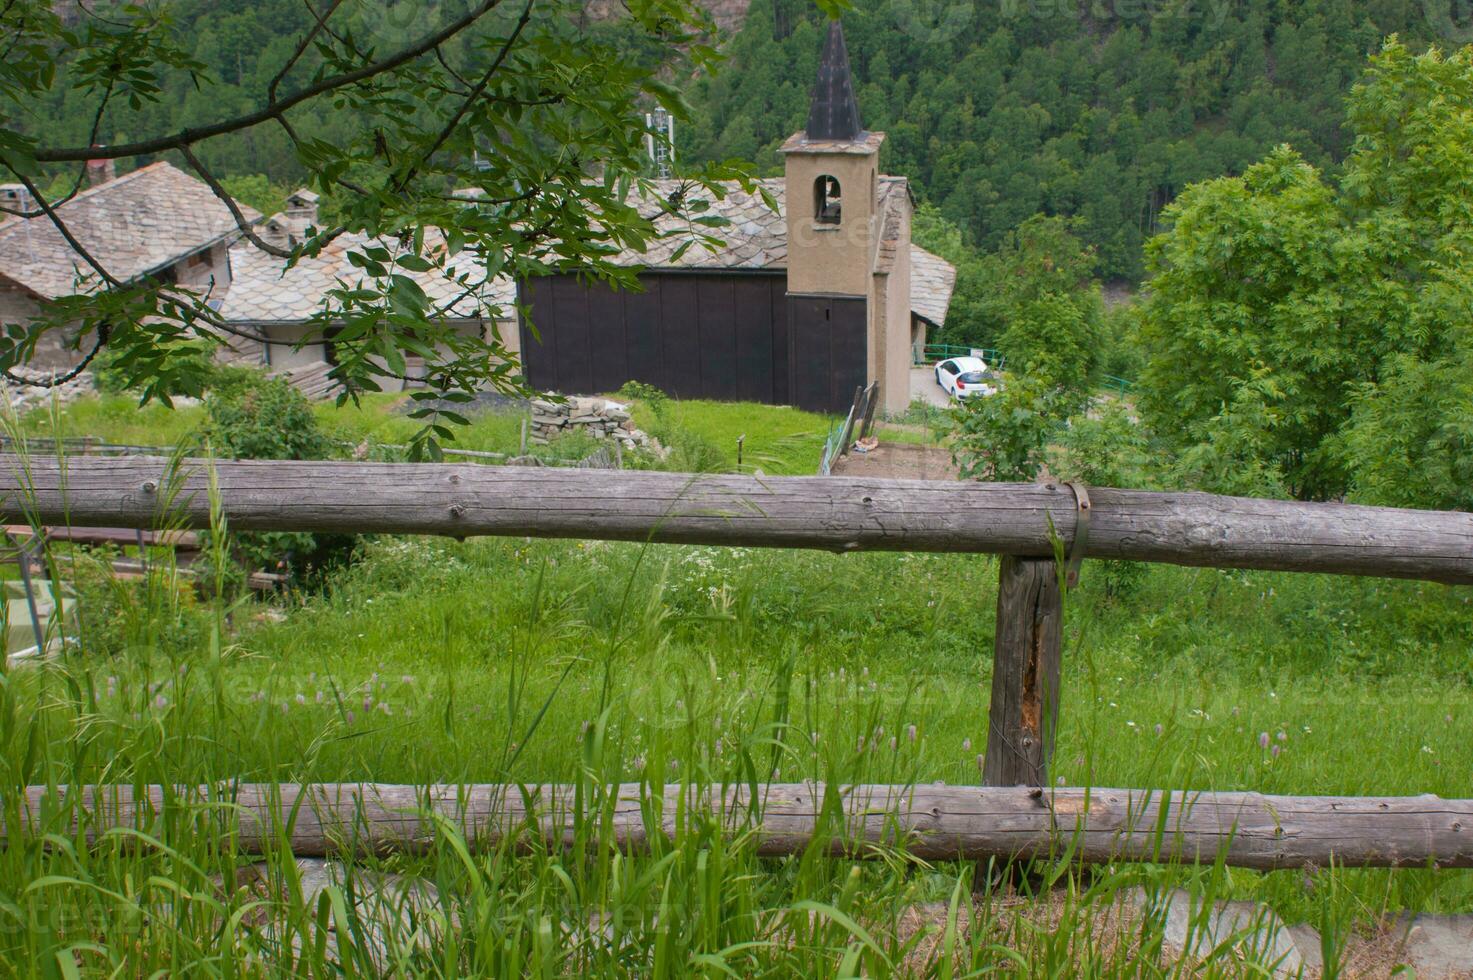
(1081, 533)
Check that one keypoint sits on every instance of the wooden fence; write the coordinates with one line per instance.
(856, 425)
(1027, 524)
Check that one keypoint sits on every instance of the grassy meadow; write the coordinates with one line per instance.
(524, 660)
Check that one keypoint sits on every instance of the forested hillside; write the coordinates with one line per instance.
(997, 111)
(1103, 110)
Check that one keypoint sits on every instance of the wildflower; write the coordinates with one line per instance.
(966, 745)
(980, 762)
(861, 744)
(301, 699)
(1275, 751)
(1130, 724)
(368, 703)
(160, 702)
(1263, 740)
(350, 717)
(910, 733)
(1283, 737)
(892, 743)
(1159, 729)
(1427, 749)
(406, 679)
(383, 708)
(319, 697)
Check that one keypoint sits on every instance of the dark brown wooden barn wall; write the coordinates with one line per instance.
(695, 335)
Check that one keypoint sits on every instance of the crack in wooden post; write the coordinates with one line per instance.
(1025, 673)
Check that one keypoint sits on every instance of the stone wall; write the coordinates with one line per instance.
(597, 417)
(23, 398)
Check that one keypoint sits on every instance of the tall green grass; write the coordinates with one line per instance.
(433, 661)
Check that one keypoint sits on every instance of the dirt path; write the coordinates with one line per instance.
(899, 460)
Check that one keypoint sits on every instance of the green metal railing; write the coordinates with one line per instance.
(931, 353)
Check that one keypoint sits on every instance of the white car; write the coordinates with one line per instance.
(966, 377)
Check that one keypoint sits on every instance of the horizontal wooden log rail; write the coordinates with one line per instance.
(932, 822)
(836, 513)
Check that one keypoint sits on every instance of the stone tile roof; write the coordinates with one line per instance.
(757, 237)
(932, 279)
(892, 190)
(264, 290)
(866, 144)
(134, 225)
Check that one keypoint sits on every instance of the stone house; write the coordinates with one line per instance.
(278, 303)
(156, 222)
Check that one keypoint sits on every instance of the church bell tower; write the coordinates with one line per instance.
(831, 173)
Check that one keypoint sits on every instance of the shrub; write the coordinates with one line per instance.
(251, 416)
(1002, 437)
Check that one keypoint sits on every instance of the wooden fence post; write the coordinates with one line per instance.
(1025, 673)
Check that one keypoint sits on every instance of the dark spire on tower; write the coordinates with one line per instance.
(833, 114)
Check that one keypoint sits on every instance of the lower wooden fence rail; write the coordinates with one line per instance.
(1028, 524)
(934, 822)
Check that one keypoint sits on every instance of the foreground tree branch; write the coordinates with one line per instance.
(273, 108)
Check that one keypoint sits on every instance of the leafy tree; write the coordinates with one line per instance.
(1242, 319)
(1048, 309)
(257, 191)
(385, 119)
(1311, 336)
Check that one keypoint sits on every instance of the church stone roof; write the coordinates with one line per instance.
(263, 290)
(932, 280)
(134, 225)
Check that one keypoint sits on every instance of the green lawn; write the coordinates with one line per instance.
(779, 440)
